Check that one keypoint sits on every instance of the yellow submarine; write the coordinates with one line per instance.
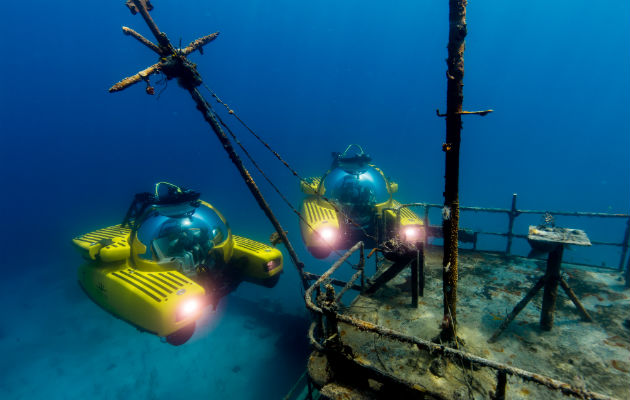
(173, 255)
(353, 201)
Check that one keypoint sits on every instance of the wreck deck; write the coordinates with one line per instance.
(592, 355)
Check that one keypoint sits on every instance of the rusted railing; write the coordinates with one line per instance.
(327, 319)
(513, 213)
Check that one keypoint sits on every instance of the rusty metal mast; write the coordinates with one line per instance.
(450, 213)
(174, 64)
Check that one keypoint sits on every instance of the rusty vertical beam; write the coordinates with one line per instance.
(512, 215)
(450, 220)
(552, 279)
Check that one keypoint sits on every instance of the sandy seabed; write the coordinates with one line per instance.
(57, 344)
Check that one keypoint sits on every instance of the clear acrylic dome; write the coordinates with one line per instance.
(366, 188)
(187, 240)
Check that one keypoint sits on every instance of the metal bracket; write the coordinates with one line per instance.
(482, 113)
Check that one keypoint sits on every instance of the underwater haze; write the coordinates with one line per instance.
(310, 78)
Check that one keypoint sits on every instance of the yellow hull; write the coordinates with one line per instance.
(319, 215)
(152, 296)
(151, 301)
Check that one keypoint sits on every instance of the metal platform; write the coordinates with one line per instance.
(379, 345)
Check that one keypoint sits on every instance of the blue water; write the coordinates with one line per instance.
(310, 77)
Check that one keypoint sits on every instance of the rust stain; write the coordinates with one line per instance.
(511, 292)
(620, 366)
(617, 341)
(598, 297)
(496, 317)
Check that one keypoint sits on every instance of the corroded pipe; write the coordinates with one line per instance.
(139, 77)
(141, 39)
(309, 291)
(199, 43)
(448, 351)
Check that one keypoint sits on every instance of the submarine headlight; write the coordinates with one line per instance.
(188, 308)
(327, 234)
(273, 264)
(412, 234)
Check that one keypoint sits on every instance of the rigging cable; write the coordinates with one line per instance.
(286, 164)
(255, 164)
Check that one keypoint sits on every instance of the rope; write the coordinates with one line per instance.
(286, 164)
(231, 112)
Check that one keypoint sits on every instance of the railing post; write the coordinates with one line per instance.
(499, 393)
(415, 284)
(329, 306)
(624, 246)
(426, 225)
(513, 214)
(362, 266)
(319, 319)
(420, 262)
